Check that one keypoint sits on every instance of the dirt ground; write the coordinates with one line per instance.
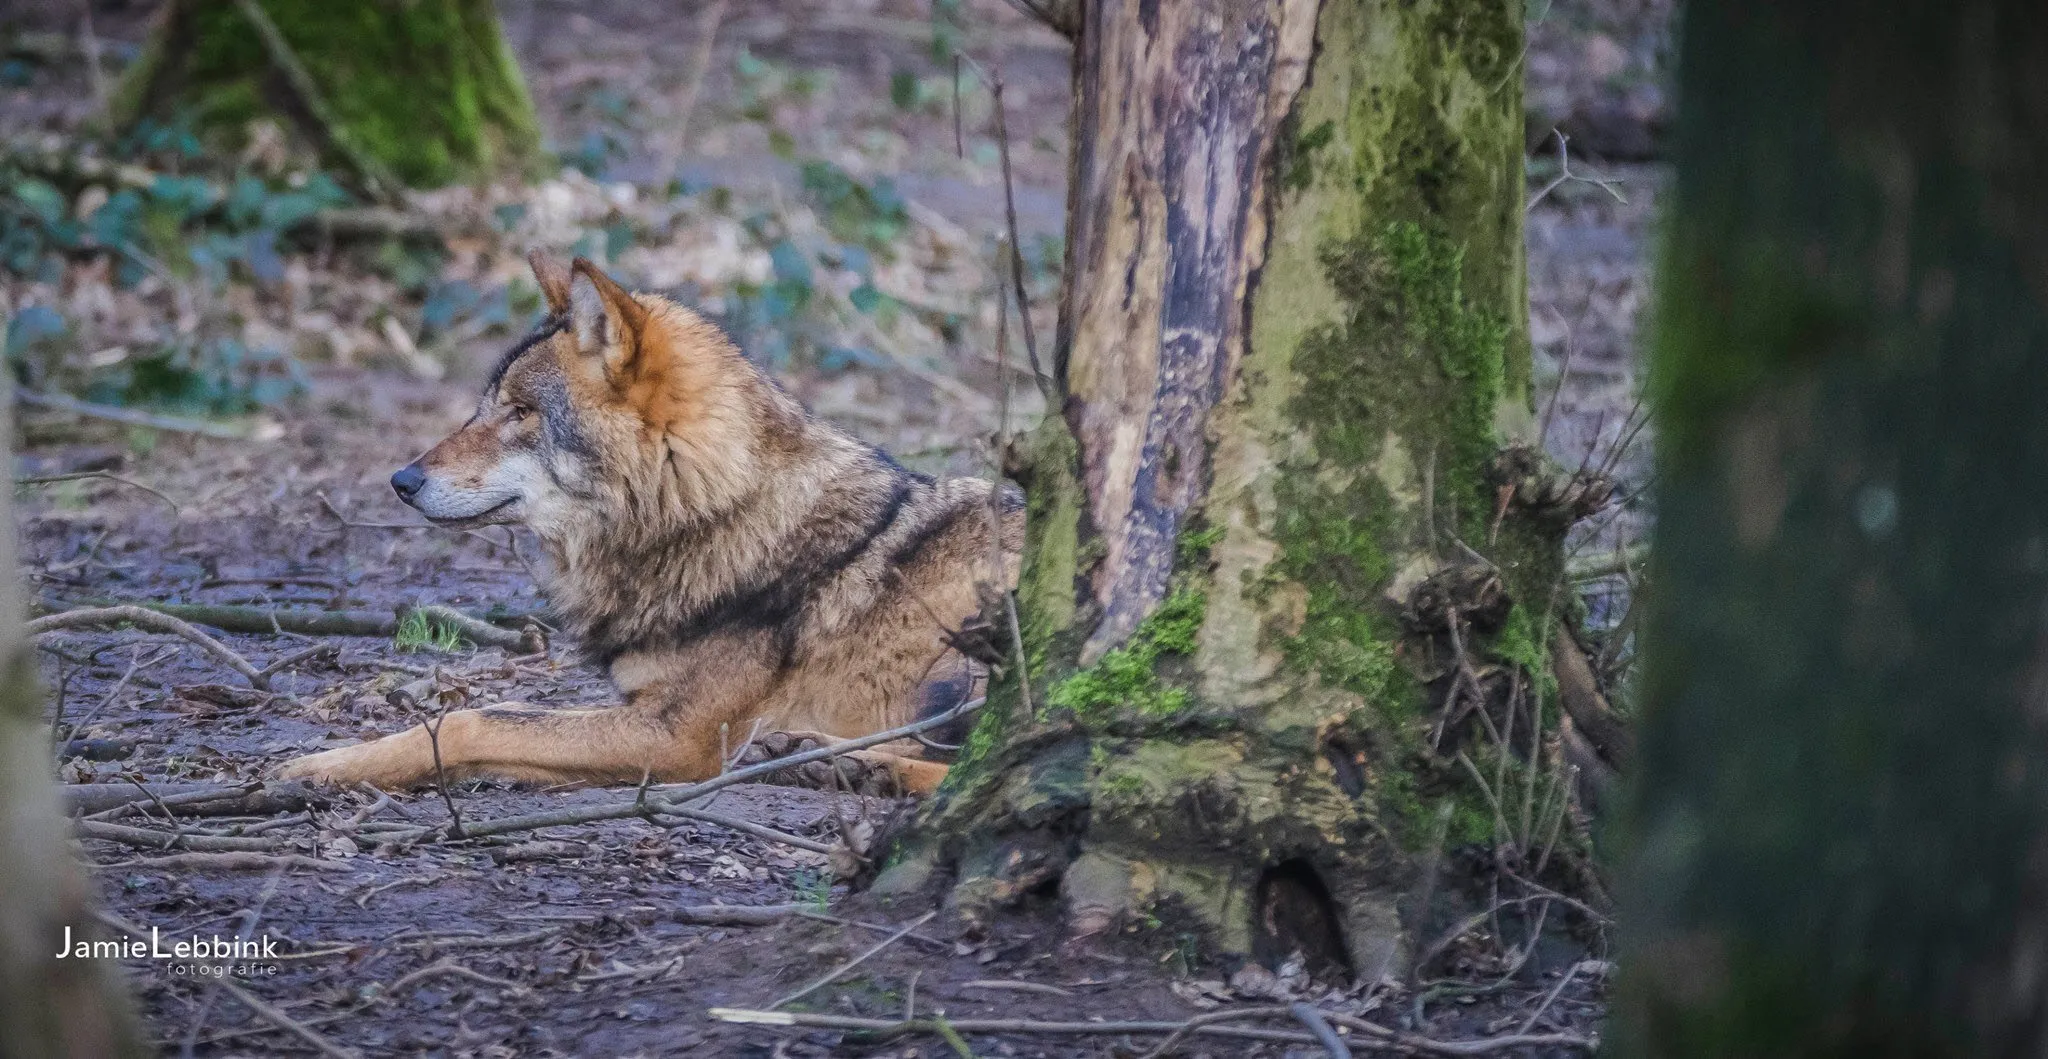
(568, 940)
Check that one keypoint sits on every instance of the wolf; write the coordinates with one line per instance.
(738, 564)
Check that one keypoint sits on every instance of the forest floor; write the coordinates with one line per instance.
(704, 176)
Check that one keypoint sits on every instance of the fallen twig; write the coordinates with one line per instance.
(835, 974)
(1476, 1046)
(79, 476)
(1311, 1017)
(285, 1022)
(144, 838)
(155, 621)
(445, 967)
(735, 915)
(478, 941)
(1193, 1025)
(236, 862)
(60, 403)
(1016, 986)
(748, 827)
(886, 1028)
(269, 621)
(110, 801)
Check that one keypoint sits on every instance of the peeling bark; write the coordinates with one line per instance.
(1292, 332)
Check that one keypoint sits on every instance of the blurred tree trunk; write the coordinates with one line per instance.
(1840, 842)
(426, 91)
(1292, 344)
(49, 1008)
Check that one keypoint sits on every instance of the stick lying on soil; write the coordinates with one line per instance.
(144, 838)
(886, 1028)
(1208, 1025)
(101, 800)
(269, 621)
(202, 862)
(60, 403)
(155, 621)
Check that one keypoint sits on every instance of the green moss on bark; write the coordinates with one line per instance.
(428, 88)
(1128, 677)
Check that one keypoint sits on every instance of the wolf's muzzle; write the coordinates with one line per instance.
(407, 480)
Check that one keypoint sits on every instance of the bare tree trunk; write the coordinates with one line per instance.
(1839, 838)
(1268, 528)
(49, 1008)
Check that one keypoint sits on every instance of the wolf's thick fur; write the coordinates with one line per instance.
(736, 563)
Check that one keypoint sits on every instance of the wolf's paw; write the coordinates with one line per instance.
(345, 767)
(856, 772)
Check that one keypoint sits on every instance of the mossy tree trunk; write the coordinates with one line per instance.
(49, 1008)
(1838, 840)
(425, 90)
(1268, 522)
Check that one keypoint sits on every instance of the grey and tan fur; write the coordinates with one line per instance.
(735, 562)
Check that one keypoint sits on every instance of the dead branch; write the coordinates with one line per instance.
(58, 402)
(1018, 987)
(811, 912)
(748, 827)
(479, 941)
(1309, 1015)
(1564, 173)
(837, 972)
(1478, 1046)
(1617, 563)
(735, 915)
(1045, 382)
(155, 621)
(111, 801)
(144, 838)
(886, 1028)
(79, 476)
(284, 1022)
(261, 621)
(445, 967)
(236, 862)
(1580, 694)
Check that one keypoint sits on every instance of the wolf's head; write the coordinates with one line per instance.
(618, 406)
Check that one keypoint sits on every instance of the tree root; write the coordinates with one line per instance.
(1580, 694)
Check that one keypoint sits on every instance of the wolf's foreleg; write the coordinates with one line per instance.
(620, 744)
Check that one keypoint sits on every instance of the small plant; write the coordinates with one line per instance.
(418, 633)
(813, 888)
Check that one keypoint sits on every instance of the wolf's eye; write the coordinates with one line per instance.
(517, 412)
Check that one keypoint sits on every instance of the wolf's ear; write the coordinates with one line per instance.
(604, 318)
(553, 278)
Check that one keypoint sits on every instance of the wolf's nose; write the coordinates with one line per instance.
(406, 482)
